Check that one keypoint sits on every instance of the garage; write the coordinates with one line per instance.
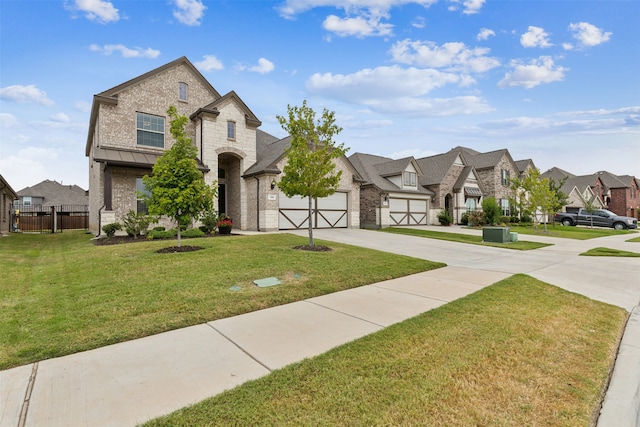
(408, 211)
(328, 212)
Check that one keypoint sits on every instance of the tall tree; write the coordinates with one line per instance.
(540, 196)
(310, 169)
(176, 186)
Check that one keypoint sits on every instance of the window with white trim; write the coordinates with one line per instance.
(182, 91)
(410, 178)
(141, 191)
(505, 177)
(150, 130)
(231, 130)
(504, 206)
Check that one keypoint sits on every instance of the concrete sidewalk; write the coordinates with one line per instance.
(132, 382)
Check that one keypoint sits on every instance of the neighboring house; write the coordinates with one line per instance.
(391, 191)
(129, 130)
(51, 193)
(7, 196)
(580, 189)
(524, 166)
(617, 193)
(494, 169)
(456, 185)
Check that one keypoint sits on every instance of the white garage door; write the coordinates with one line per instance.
(408, 211)
(328, 212)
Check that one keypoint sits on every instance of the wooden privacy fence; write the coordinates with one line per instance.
(50, 219)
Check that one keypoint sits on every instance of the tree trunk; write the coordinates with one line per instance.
(311, 244)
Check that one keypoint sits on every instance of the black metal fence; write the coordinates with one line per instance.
(49, 219)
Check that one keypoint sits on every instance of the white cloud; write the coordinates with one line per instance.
(535, 37)
(589, 35)
(431, 107)
(359, 26)
(567, 46)
(82, 106)
(95, 10)
(485, 33)
(264, 66)
(189, 12)
(60, 117)
(291, 8)
(418, 22)
(25, 94)
(417, 153)
(452, 56)
(126, 52)
(8, 120)
(472, 6)
(209, 62)
(538, 71)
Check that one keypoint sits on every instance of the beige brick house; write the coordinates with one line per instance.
(129, 130)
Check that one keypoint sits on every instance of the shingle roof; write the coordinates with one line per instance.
(523, 164)
(556, 174)
(436, 167)
(7, 188)
(370, 166)
(269, 151)
(54, 193)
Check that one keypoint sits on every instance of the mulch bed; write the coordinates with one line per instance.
(315, 248)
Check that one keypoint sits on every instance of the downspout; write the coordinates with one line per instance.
(201, 142)
(257, 203)
(100, 220)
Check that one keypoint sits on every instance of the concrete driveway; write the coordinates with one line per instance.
(612, 280)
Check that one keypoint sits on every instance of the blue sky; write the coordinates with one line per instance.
(555, 81)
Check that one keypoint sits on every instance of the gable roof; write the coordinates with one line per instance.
(462, 178)
(436, 167)
(610, 180)
(110, 96)
(556, 174)
(251, 118)
(54, 193)
(373, 170)
(522, 165)
(7, 188)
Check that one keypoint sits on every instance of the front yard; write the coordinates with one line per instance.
(61, 294)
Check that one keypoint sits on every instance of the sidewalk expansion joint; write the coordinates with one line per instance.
(27, 396)
(413, 293)
(240, 347)
(346, 314)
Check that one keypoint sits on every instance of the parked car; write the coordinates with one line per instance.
(599, 218)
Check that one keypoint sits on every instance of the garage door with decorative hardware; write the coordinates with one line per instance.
(328, 212)
(408, 211)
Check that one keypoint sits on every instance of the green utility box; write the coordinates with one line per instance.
(496, 234)
(514, 237)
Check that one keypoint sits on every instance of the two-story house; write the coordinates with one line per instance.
(7, 196)
(129, 130)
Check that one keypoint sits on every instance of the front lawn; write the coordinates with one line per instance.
(61, 294)
(578, 233)
(610, 252)
(518, 353)
(464, 238)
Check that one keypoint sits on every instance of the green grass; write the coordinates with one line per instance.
(61, 294)
(578, 233)
(517, 353)
(635, 239)
(464, 238)
(610, 252)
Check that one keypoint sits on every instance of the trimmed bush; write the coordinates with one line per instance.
(159, 228)
(491, 210)
(464, 219)
(161, 234)
(110, 229)
(193, 232)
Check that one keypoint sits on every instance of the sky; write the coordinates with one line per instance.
(553, 81)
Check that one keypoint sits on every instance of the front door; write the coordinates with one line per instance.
(222, 199)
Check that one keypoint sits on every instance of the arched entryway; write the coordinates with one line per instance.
(448, 204)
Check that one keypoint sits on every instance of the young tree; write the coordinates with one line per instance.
(561, 198)
(589, 207)
(310, 170)
(491, 210)
(176, 186)
(541, 198)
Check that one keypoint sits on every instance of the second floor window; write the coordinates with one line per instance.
(182, 91)
(505, 177)
(150, 130)
(410, 178)
(231, 130)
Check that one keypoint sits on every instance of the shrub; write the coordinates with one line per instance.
(476, 218)
(204, 229)
(505, 219)
(209, 221)
(464, 219)
(135, 224)
(110, 229)
(444, 218)
(159, 228)
(526, 218)
(161, 234)
(193, 232)
(491, 210)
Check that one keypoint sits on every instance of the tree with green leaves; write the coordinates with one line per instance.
(540, 196)
(561, 198)
(310, 169)
(491, 210)
(176, 186)
(589, 207)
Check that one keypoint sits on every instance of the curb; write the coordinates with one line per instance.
(621, 406)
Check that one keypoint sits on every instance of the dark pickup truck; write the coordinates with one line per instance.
(600, 218)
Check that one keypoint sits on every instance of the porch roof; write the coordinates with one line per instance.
(133, 159)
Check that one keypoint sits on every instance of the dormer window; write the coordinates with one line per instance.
(231, 130)
(182, 91)
(410, 178)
